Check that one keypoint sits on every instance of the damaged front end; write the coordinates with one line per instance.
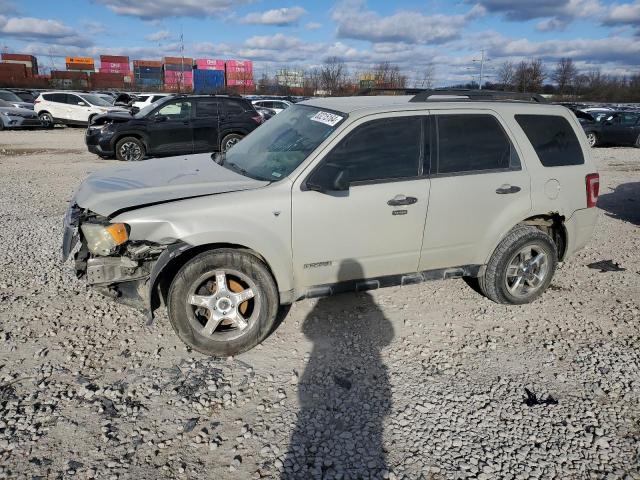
(104, 256)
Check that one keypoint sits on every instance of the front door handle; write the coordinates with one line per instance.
(402, 200)
(506, 188)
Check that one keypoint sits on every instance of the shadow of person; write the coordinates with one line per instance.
(622, 202)
(344, 391)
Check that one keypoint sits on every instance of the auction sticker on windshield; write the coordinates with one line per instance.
(327, 118)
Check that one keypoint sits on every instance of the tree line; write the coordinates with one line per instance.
(563, 80)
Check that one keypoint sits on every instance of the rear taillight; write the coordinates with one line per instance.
(36, 101)
(593, 189)
(258, 119)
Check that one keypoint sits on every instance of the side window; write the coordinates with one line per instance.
(553, 139)
(629, 119)
(176, 110)
(207, 108)
(156, 98)
(472, 142)
(380, 150)
(57, 97)
(234, 108)
(74, 100)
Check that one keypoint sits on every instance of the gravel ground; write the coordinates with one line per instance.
(428, 381)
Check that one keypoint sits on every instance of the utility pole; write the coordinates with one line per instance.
(481, 60)
(181, 76)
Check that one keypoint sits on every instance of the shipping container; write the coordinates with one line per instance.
(147, 63)
(178, 60)
(115, 66)
(114, 59)
(171, 75)
(148, 81)
(207, 81)
(81, 67)
(107, 80)
(29, 61)
(147, 70)
(177, 67)
(67, 83)
(209, 64)
(17, 56)
(84, 60)
(17, 69)
(62, 74)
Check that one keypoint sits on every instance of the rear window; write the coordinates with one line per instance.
(473, 143)
(553, 139)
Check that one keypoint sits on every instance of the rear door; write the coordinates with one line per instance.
(479, 188)
(170, 128)
(206, 137)
(56, 105)
(624, 130)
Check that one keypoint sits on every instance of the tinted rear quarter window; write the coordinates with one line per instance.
(473, 143)
(553, 139)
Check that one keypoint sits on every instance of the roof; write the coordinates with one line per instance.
(366, 105)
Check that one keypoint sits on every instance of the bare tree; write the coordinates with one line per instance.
(506, 74)
(564, 75)
(333, 76)
(389, 76)
(530, 76)
(426, 78)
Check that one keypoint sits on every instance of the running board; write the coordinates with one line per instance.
(362, 285)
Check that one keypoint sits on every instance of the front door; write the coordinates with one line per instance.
(479, 189)
(623, 129)
(375, 227)
(77, 110)
(170, 129)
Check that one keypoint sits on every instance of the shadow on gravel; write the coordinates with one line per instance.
(622, 203)
(344, 392)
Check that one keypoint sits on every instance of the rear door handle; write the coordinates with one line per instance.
(402, 200)
(505, 189)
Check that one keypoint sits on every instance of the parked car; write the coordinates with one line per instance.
(15, 100)
(265, 113)
(275, 105)
(15, 117)
(618, 129)
(174, 125)
(340, 194)
(123, 100)
(141, 101)
(71, 108)
(27, 96)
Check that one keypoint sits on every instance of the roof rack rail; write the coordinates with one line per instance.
(475, 95)
(377, 91)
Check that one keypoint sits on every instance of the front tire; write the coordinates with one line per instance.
(130, 149)
(230, 140)
(521, 268)
(592, 137)
(223, 302)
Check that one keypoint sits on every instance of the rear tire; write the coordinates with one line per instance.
(521, 268)
(593, 139)
(130, 149)
(230, 140)
(637, 144)
(47, 120)
(212, 319)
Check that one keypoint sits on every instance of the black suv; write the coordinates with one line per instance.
(175, 125)
(617, 128)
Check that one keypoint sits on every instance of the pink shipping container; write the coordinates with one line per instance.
(237, 83)
(209, 64)
(175, 77)
(116, 66)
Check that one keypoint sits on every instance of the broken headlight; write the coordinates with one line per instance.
(102, 239)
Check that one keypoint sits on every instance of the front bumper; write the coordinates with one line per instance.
(20, 122)
(98, 142)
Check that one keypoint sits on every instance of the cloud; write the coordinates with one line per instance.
(7, 7)
(551, 24)
(627, 14)
(155, 9)
(158, 36)
(280, 17)
(313, 26)
(356, 22)
(94, 28)
(528, 10)
(29, 28)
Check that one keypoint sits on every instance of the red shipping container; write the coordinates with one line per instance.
(178, 60)
(147, 63)
(208, 64)
(81, 66)
(18, 69)
(114, 59)
(18, 56)
(62, 74)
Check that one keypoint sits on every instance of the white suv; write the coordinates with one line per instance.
(71, 108)
(275, 105)
(341, 194)
(142, 100)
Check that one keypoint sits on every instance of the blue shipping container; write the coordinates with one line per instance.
(207, 81)
(148, 70)
(176, 67)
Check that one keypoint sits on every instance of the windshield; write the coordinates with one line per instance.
(152, 106)
(95, 100)
(275, 149)
(9, 96)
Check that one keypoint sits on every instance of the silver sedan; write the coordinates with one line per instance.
(13, 117)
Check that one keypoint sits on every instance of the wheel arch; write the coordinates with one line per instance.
(140, 136)
(171, 261)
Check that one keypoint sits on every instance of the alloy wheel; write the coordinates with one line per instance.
(527, 271)
(591, 137)
(46, 119)
(130, 151)
(230, 143)
(222, 304)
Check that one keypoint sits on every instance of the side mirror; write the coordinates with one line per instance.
(329, 178)
(82, 104)
(160, 118)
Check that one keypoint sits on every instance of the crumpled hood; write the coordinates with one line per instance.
(158, 180)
